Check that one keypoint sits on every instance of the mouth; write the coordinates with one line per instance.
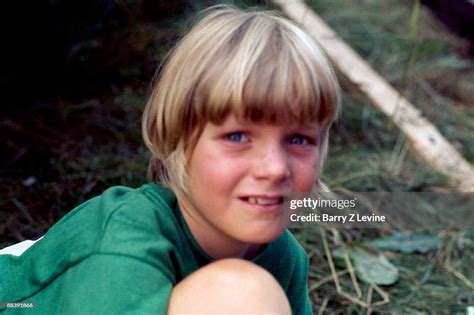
(264, 200)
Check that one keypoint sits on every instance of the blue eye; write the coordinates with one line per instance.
(299, 140)
(236, 137)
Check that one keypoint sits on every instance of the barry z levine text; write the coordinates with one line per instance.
(352, 217)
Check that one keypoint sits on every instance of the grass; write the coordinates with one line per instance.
(425, 286)
(63, 152)
(367, 154)
(386, 42)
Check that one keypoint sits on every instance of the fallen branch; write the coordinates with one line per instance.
(423, 137)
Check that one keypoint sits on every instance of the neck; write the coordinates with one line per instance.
(215, 243)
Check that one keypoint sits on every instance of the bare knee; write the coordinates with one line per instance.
(229, 286)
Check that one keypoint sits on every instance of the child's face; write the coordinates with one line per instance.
(240, 173)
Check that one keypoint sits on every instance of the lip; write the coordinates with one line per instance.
(270, 208)
(269, 196)
(264, 196)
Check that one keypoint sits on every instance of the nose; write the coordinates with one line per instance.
(272, 163)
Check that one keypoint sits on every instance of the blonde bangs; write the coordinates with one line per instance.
(268, 70)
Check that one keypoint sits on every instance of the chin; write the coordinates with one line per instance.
(262, 236)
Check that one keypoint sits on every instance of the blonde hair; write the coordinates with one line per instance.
(254, 64)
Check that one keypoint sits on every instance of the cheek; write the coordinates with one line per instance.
(212, 173)
(305, 173)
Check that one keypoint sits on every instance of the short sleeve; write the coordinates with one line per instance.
(286, 259)
(297, 288)
(107, 284)
(298, 294)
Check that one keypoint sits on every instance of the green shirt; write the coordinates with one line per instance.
(122, 252)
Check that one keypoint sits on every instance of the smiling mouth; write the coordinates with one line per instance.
(264, 201)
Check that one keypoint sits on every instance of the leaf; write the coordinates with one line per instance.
(371, 268)
(421, 243)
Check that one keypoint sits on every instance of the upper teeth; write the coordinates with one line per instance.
(263, 201)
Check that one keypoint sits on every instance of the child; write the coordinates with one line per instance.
(237, 122)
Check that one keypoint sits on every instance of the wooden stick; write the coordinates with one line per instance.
(323, 306)
(325, 280)
(423, 137)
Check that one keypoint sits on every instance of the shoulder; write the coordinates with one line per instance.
(116, 202)
(115, 222)
(146, 205)
(297, 278)
(298, 259)
(92, 220)
(138, 221)
(285, 258)
(125, 220)
(118, 199)
(292, 248)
